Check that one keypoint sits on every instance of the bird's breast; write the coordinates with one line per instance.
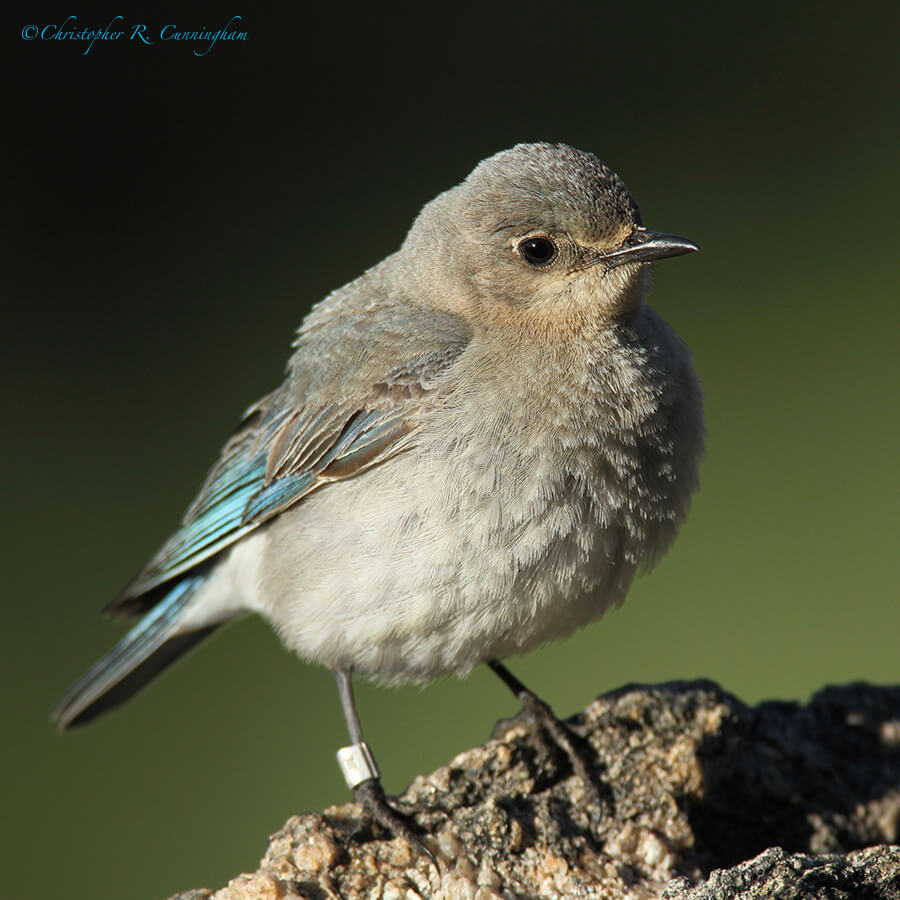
(520, 513)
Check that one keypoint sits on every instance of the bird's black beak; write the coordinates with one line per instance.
(644, 246)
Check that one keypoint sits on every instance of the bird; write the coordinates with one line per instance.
(478, 444)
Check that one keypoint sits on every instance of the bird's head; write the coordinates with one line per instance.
(542, 232)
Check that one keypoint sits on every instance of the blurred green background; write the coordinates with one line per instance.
(170, 219)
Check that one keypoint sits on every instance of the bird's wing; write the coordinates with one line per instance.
(306, 434)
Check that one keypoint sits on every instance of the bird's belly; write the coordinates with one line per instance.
(422, 567)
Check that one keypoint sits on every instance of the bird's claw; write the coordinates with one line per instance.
(370, 795)
(545, 722)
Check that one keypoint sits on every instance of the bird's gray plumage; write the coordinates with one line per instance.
(470, 455)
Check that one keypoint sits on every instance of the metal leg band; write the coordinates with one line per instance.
(357, 764)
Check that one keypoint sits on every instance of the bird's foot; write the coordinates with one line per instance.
(580, 756)
(370, 795)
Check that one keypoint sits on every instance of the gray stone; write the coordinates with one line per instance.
(702, 797)
(870, 874)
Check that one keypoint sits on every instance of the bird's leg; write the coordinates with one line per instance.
(544, 718)
(362, 774)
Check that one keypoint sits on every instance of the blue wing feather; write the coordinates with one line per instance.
(241, 493)
(278, 494)
(214, 524)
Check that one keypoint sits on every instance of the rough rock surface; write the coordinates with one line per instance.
(702, 797)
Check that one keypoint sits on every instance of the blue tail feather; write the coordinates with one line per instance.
(146, 649)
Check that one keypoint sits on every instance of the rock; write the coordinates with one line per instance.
(692, 781)
(873, 874)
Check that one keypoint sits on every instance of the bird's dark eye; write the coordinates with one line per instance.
(538, 251)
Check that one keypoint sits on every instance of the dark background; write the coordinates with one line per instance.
(170, 219)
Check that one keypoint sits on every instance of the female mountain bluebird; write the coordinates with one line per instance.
(477, 444)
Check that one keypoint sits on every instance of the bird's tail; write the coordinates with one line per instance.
(152, 645)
